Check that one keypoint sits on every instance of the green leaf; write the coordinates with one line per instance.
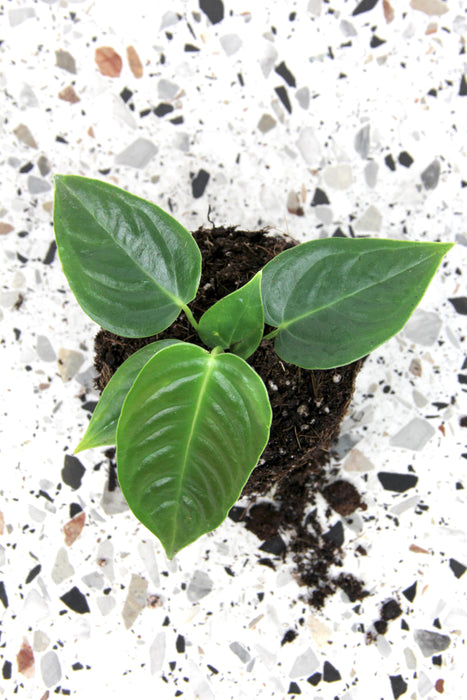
(191, 431)
(102, 428)
(236, 321)
(335, 300)
(130, 265)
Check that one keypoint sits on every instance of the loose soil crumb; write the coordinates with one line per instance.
(308, 407)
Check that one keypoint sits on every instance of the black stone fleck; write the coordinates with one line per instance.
(213, 669)
(180, 644)
(330, 674)
(50, 255)
(3, 595)
(376, 41)
(89, 406)
(463, 86)
(364, 6)
(214, 9)
(460, 305)
(275, 545)
(236, 513)
(288, 637)
(314, 679)
(75, 508)
(33, 573)
(319, 197)
(281, 93)
(126, 94)
(457, 568)
(390, 610)
(294, 689)
(162, 109)
(72, 472)
(172, 665)
(335, 534)
(437, 660)
(26, 168)
(410, 592)
(404, 626)
(6, 670)
(398, 685)
(389, 160)
(229, 571)
(199, 182)
(397, 482)
(190, 48)
(381, 626)
(77, 666)
(76, 601)
(405, 159)
(166, 622)
(265, 561)
(285, 73)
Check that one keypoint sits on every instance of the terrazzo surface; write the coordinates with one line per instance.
(314, 118)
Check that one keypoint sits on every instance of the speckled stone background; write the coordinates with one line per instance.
(319, 118)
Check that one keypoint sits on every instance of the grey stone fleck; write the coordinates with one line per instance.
(157, 653)
(423, 327)
(86, 378)
(20, 15)
(431, 642)
(135, 601)
(240, 651)
(340, 177)
(405, 504)
(344, 444)
(199, 586)
(35, 514)
(113, 502)
(40, 641)
(166, 89)
(371, 173)
(250, 666)
(50, 669)
(324, 213)
(347, 28)
(62, 569)
(28, 97)
(461, 238)
(419, 400)
(182, 141)
(23, 134)
(413, 436)
(383, 646)
(94, 580)
(44, 165)
(36, 185)
(69, 362)
(424, 684)
(314, 7)
(303, 97)
(137, 154)
(362, 141)
(371, 220)
(231, 43)
(106, 604)
(45, 349)
(309, 146)
(266, 123)
(268, 59)
(410, 659)
(122, 112)
(304, 664)
(65, 60)
(148, 555)
(169, 18)
(105, 559)
(430, 176)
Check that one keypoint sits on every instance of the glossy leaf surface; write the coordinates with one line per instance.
(191, 430)
(130, 265)
(102, 428)
(236, 321)
(335, 300)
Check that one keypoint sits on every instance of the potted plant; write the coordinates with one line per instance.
(189, 415)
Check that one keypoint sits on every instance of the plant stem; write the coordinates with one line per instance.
(190, 317)
(217, 350)
(272, 334)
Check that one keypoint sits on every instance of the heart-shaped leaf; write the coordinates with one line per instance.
(191, 431)
(334, 300)
(102, 428)
(130, 265)
(236, 321)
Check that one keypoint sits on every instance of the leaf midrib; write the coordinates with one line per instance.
(172, 297)
(313, 312)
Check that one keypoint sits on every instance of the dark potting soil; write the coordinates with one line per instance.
(308, 407)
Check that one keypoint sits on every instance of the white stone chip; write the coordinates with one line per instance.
(339, 177)
(315, 7)
(269, 59)
(199, 586)
(51, 670)
(371, 173)
(303, 97)
(410, 659)
(62, 569)
(135, 601)
(148, 555)
(231, 43)
(370, 221)
(45, 349)
(106, 604)
(414, 435)
(309, 146)
(40, 641)
(362, 141)
(20, 15)
(304, 664)
(137, 154)
(157, 653)
(423, 327)
(240, 651)
(357, 462)
(69, 362)
(113, 502)
(430, 7)
(166, 89)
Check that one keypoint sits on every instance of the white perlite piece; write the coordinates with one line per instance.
(413, 436)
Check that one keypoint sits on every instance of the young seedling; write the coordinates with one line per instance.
(190, 425)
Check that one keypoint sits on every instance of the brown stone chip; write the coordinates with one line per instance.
(108, 61)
